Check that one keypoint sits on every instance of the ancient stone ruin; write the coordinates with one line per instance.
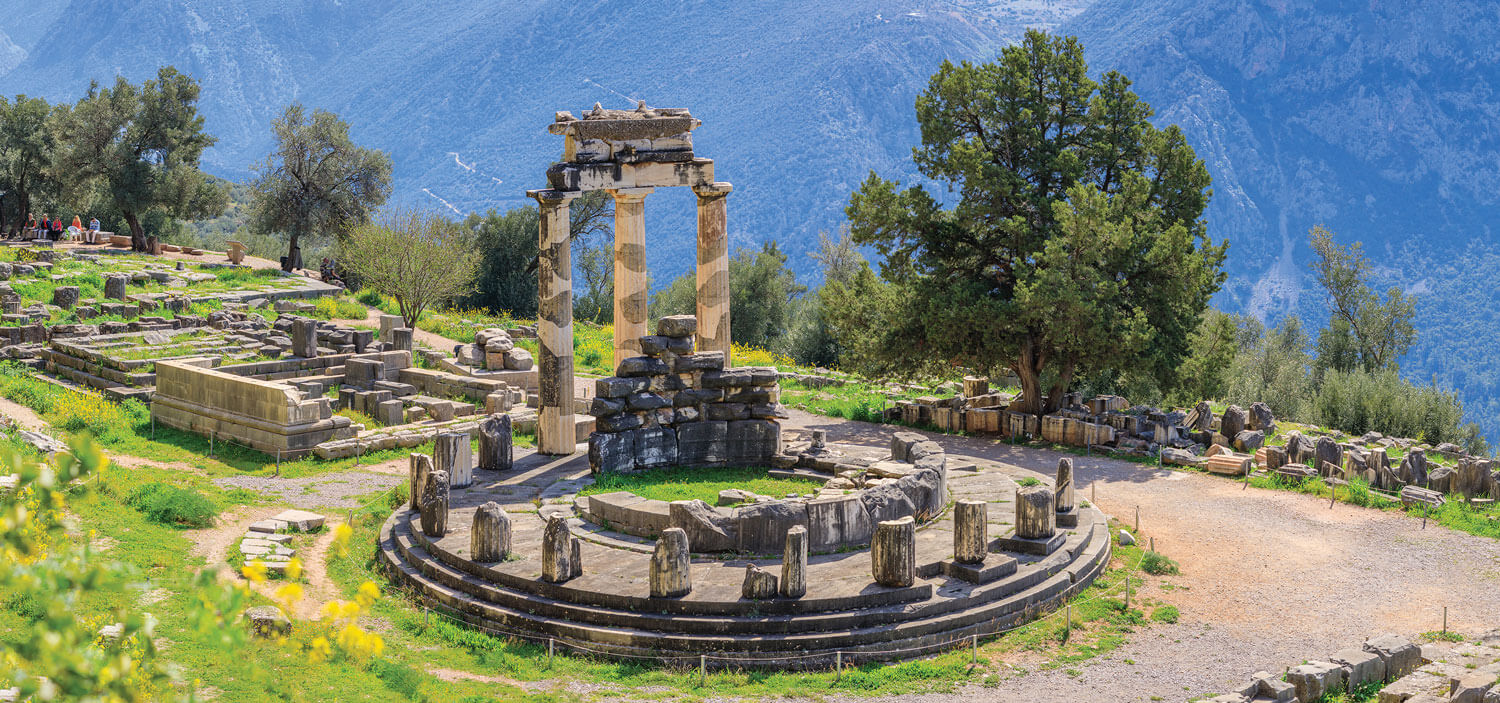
(628, 153)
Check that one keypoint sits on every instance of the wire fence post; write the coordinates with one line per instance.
(550, 645)
(838, 663)
(210, 445)
(278, 463)
(974, 651)
(1137, 518)
(1094, 492)
(702, 670)
(1445, 619)
(1068, 623)
(1127, 591)
(1153, 543)
(426, 616)
(153, 428)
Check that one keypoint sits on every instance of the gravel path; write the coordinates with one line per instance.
(335, 490)
(1269, 578)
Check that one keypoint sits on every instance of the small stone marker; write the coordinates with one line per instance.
(970, 531)
(1034, 514)
(496, 452)
(115, 285)
(305, 338)
(268, 621)
(893, 553)
(388, 323)
(490, 537)
(418, 469)
(452, 452)
(759, 584)
(557, 550)
(671, 565)
(435, 504)
(1064, 485)
(400, 339)
(794, 563)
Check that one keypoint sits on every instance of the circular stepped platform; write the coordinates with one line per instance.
(608, 609)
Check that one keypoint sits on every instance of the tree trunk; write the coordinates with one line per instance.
(1054, 399)
(137, 235)
(293, 255)
(1028, 368)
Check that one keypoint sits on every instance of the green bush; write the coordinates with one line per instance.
(1166, 613)
(370, 298)
(1157, 565)
(172, 505)
(1029, 481)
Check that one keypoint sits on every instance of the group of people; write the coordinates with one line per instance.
(53, 228)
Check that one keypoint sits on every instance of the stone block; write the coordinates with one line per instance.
(496, 448)
(703, 443)
(451, 452)
(558, 547)
(612, 452)
(491, 534)
(753, 441)
(418, 467)
(886, 503)
(677, 326)
(1361, 667)
(794, 563)
(1401, 657)
(838, 521)
(363, 373)
(655, 447)
(268, 622)
(1315, 679)
(759, 584)
(706, 528)
(763, 526)
(970, 531)
(638, 366)
(924, 489)
(1035, 516)
(618, 387)
(434, 504)
(390, 412)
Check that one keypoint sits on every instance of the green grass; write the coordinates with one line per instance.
(1156, 564)
(699, 484)
(1165, 613)
(173, 505)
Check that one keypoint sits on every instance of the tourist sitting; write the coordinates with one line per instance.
(30, 226)
(91, 235)
(57, 228)
(41, 228)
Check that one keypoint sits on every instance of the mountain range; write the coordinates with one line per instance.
(1375, 118)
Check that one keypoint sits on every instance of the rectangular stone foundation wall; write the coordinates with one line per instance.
(264, 415)
(673, 407)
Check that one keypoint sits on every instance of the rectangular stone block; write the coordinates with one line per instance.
(834, 522)
(700, 443)
(612, 451)
(763, 526)
(362, 373)
(754, 441)
(655, 447)
(1360, 667)
(389, 412)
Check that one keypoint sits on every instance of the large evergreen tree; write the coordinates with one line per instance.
(316, 182)
(27, 149)
(139, 146)
(1075, 242)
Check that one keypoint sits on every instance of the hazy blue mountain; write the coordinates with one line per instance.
(1377, 119)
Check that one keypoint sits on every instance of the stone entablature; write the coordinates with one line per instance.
(264, 415)
(674, 407)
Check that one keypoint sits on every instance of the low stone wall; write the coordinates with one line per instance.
(523, 421)
(268, 416)
(673, 407)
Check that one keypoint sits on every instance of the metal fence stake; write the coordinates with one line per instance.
(1068, 624)
(1137, 518)
(702, 669)
(550, 643)
(1445, 619)
(838, 663)
(974, 656)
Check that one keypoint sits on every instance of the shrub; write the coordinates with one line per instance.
(1166, 613)
(1157, 565)
(1029, 481)
(171, 505)
(370, 298)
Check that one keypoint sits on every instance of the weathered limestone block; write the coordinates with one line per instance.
(794, 563)
(1171, 456)
(1064, 485)
(612, 452)
(1260, 418)
(558, 551)
(706, 529)
(451, 452)
(1401, 657)
(418, 469)
(1361, 667)
(305, 338)
(1249, 440)
(1229, 464)
(838, 521)
(1443, 479)
(390, 412)
(65, 297)
(496, 450)
(1276, 458)
(1300, 449)
(1202, 417)
(885, 503)
(1328, 451)
(926, 491)
(893, 552)
(400, 339)
(268, 622)
(490, 537)
(1315, 679)
(677, 326)
(1035, 517)
(1232, 422)
(435, 504)
(764, 525)
(671, 565)
(759, 584)
(1414, 468)
(115, 285)
(703, 443)
(655, 447)
(970, 531)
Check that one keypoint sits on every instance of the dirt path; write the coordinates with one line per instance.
(214, 543)
(24, 417)
(1269, 578)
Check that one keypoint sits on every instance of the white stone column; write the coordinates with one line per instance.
(554, 324)
(630, 270)
(713, 269)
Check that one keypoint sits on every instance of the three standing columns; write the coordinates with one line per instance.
(630, 271)
(713, 269)
(554, 323)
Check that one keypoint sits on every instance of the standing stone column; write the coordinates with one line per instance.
(554, 324)
(1035, 517)
(452, 452)
(305, 338)
(435, 504)
(558, 551)
(490, 538)
(630, 270)
(496, 451)
(893, 553)
(1064, 493)
(713, 269)
(794, 563)
(418, 469)
(970, 531)
(400, 339)
(671, 565)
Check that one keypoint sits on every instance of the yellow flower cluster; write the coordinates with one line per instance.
(755, 356)
(351, 638)
(79, 411)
